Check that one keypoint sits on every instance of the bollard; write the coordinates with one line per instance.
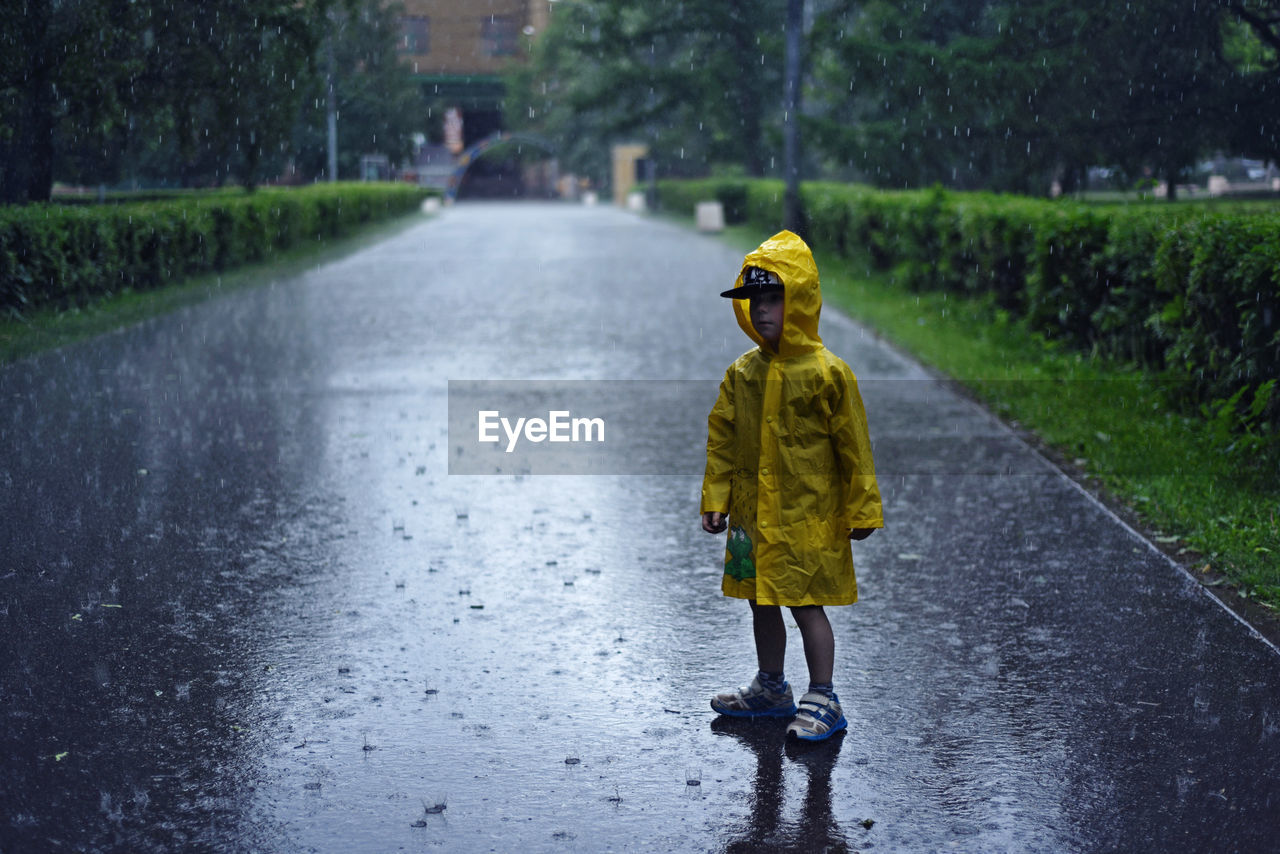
(635, 202)
(431, 205)
(589, 199)
(709, 216)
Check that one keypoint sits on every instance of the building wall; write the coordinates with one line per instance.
(468, 37)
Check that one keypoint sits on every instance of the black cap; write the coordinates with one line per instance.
(755, 281)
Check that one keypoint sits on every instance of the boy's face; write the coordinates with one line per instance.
(766, 316)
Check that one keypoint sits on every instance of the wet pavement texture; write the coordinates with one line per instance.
(245, 607)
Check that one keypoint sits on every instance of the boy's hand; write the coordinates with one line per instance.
(860, 533)
(713, 522)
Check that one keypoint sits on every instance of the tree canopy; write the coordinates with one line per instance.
(379, 107)
(189, 93)
(1000, 94)
(1006, 94)
(693, 80)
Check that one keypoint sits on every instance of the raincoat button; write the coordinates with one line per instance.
(764, 471)
(764, 524)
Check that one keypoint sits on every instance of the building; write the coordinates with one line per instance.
(457, 51)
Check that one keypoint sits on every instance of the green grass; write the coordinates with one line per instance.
(47, 329)
(1218, 512)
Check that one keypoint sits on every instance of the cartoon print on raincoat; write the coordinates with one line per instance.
(788, 455)
(739, 564)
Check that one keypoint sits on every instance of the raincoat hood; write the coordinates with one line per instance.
(790, 258)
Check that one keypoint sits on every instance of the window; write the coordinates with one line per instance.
(415, 34)
(500, 35)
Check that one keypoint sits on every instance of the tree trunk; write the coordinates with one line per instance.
(1071, 179)
(39, 149)
(27, 172)
(186, 144)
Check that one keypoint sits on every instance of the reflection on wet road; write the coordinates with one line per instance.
(245, 606)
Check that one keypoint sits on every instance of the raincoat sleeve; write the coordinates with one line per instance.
(847, 420)
(720, 448)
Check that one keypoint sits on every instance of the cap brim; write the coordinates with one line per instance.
(749, 291)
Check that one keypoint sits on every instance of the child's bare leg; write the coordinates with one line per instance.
(771, 637)
(819, 642)
(768, 695)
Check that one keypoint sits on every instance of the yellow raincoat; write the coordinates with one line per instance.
(788, 455)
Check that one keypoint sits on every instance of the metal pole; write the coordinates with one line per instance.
(791, 214)
(331, 105)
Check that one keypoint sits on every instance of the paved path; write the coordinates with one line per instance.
(246, 607)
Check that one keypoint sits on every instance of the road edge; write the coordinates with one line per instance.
(1260, 622)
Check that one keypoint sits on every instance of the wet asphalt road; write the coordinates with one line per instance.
(245, 606)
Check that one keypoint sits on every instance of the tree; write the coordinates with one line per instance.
(699, 81)
(223, 77)
(379, 107)
(63, 66)
(1010, 93)
(1251, 47)
(90, 89)
(905, 96)
(1158, 83)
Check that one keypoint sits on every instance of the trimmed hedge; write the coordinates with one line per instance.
(1191, 290)
(63, 256)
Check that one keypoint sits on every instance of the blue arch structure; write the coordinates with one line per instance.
(472, 154)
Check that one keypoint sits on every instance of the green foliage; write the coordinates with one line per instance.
(1222, 322)
(756, 202)
(1063, 285)
(64, 73)
(1188, 293)
(764, 204)
(1014, 95)
(379, 106)
(998, 240)
(1244, 431)
(683, 196)
(183, 93)
(65, 257)
(1184, 477)
(692, 79)
(172, 91)
(1203, 473)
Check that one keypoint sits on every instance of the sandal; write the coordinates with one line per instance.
(755, 701)
(819, 717)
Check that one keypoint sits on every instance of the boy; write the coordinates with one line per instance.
(789, 462)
